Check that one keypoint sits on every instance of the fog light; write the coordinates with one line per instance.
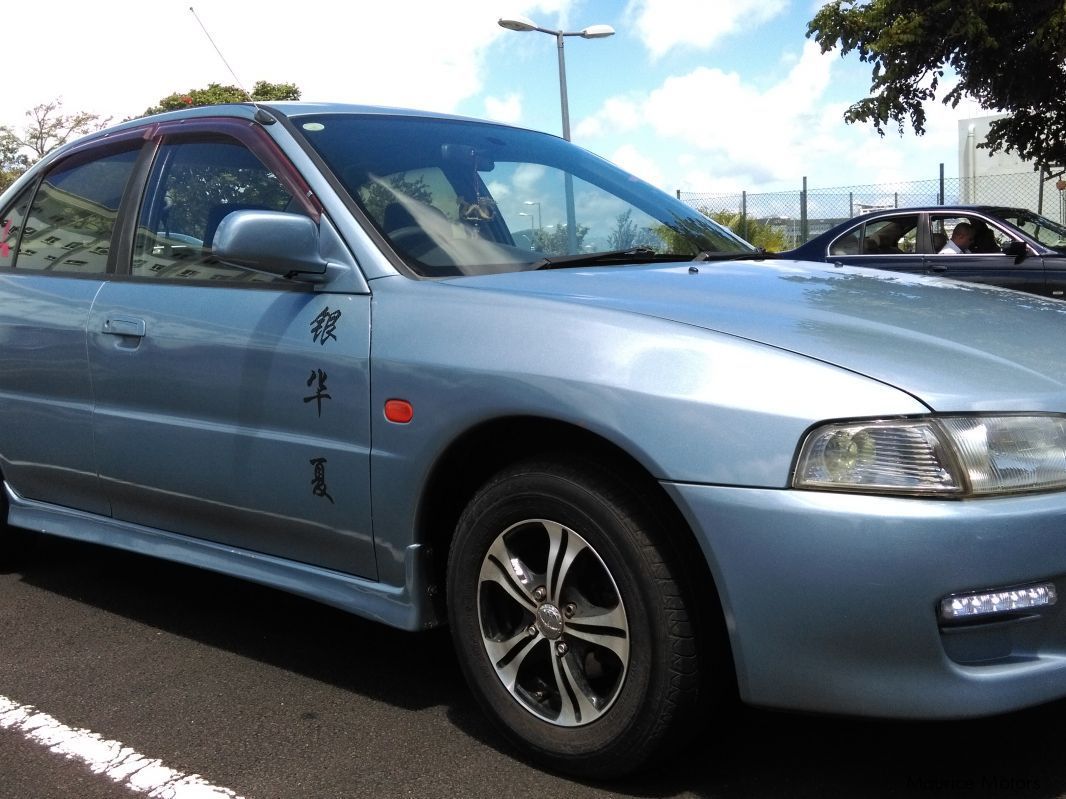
(969, 606)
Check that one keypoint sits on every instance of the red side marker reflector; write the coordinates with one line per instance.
(399, 411)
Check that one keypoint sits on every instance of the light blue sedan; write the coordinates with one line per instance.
(439, 371)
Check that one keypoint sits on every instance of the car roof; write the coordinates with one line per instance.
(913, 209)
(287, 108)
(816, 243)
(249, 111)
(293, 108)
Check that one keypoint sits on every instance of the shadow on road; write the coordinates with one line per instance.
(751, 754)
(410, 670)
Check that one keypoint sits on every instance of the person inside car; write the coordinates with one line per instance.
(961, 239)
(984, 240)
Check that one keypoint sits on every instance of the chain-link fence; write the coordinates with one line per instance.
(797, 216)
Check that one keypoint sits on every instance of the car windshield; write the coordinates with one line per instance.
(1050, 234)
(458, 198)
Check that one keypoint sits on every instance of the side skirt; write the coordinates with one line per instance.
(405, 607)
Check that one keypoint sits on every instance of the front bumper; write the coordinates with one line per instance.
(832, 599)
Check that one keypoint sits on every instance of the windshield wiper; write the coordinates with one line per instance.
(710, 255)
(597, 258)
(640, 255)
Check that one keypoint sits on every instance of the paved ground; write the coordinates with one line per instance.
(273, 697)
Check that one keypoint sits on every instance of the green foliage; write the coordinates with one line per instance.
(687, 236)
(13, 162)
(556, 240)
(376, 196)
(48, 127)
(216, 94)
(626, 235)
(1007, 54)
(676, 241)
(754, 231)
(193, 189)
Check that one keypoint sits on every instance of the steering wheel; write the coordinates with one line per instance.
(412, 240)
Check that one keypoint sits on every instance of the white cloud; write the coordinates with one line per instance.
(738, 127)
(528, 176)
(548, 9)
(617, 114)
(103, 58)
(665, 24)
(728, 134)
(705, 128)
(632, 160)
(507, 109)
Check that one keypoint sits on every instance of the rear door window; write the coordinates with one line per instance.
(11, 227)
(892, 236)
(71, 221)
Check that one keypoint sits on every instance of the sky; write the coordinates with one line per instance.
(690, 95)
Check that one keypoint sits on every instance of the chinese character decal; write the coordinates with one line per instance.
(323, 328)
(324, 325)
(318, 381)
(318, 482)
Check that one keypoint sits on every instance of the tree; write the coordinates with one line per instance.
(754, 231)
(376, 196)
(50, 128)
(216, 93)
(627, 234)
(47, 129)
(13, 162)
(556, 240)
(1008, 55)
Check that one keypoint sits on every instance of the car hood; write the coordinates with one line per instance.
(954, 346)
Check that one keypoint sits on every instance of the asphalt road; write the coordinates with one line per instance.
(274, 697)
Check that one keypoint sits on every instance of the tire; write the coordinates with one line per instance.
(571, 621)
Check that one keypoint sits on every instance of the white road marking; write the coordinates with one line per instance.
(110, 758)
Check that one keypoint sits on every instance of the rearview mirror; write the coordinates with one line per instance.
(274, 242)
(1016, 248)
(468, 155)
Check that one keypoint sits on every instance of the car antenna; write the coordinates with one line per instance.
(261, 116)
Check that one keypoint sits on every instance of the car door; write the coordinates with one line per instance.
(55, 248)
(881, 242)
(231, 405)
(1055, 275)
(986, 262)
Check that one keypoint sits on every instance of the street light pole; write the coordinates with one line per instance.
(540, 222)
(523, 25)
(564, 101)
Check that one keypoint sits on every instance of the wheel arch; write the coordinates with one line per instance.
(474, 457)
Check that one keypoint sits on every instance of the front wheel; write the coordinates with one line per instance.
(571, 619)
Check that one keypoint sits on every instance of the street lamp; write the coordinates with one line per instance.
(532, 229)
(523, 25)
(540, 223)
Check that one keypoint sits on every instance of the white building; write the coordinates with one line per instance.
(1002, 178)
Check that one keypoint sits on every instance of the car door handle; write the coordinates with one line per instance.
(936, 268)
(124, 326)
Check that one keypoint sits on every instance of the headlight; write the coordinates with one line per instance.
(948, 456)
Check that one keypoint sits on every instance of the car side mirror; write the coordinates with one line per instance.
(274, 242)
(1018, 249)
